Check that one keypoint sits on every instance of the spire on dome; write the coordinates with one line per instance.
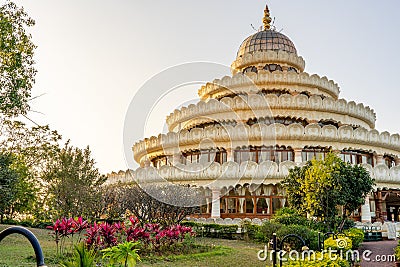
(267, 19)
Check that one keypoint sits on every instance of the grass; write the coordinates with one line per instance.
(226, 253)
(16, 251)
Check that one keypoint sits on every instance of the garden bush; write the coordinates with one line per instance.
(397, 251)
(308, 235)
(212, 229)
(264, 232)
(356, 236)
(287, 216)
(341, 243)
(319, 261)
(153, 238)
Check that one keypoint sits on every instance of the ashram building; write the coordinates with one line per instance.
(249, 129)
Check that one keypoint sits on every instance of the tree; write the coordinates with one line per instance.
(356, 184)
(119, 198)
(8, 182)
(17, 74)
(74, 183)
(18, 192)
(37, 144)
(34, 147)
(321, 186)
(25, 190)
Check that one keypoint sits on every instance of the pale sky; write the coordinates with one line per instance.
(93, 55)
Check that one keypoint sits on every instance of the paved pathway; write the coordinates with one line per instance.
(380, 250)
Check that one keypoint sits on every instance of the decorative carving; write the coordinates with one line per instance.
(313, 108)
(252, 83)
(293, 135)
(231, 173)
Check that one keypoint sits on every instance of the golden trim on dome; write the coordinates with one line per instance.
(267, 19)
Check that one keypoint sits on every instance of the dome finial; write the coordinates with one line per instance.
(267, 19)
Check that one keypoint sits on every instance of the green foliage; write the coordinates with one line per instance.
(266, 230)
(319, 187)
(285, 211)
(33, 148)
(82, 257)
(74, 183)
(25, 190)
(123, 254)
(308, 235)
(17, 74)
(17, 189)
(321, 260)
(358, 184)
(251, 230)
(356, 236)
(397, 252)
(213, 229)
(287, 216)
(8, 182)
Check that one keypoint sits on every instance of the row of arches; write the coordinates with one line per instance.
(270, 68)
(275, 154)
(269, 120)
(248, 200)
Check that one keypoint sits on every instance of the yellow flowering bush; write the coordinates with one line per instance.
(356, 236)
(320, 260)
(341, 243)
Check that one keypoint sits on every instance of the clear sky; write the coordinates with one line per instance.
(93, 55)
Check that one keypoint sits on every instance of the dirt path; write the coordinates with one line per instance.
(382, 253)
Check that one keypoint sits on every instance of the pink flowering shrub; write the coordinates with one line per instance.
(66, 228)
(152, 237)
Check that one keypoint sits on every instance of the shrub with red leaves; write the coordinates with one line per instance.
(104, 235)
(66, 228)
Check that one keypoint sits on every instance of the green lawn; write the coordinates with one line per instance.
(15, 251)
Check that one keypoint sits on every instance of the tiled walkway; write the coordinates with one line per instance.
(380, 250)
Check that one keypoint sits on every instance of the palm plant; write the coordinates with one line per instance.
(122, 254)
(83, 257)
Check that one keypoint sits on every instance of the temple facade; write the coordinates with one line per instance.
(250, 128)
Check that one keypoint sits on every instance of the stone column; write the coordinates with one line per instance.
(298, 155)
(216, 206)
(229, 154)
(147, 163)
(366, 211)
(378, 205)
(380, 159)
(176, 159)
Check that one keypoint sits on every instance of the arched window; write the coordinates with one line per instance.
(282, 120)
(205, 156)
(357, 157)
(259, 154)
(389, 161)
(277, 92)
(264, 201)
(310, 153)
(291, 69)
(273, 67)
(158, 162)
(323, 123)
(250, 69)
